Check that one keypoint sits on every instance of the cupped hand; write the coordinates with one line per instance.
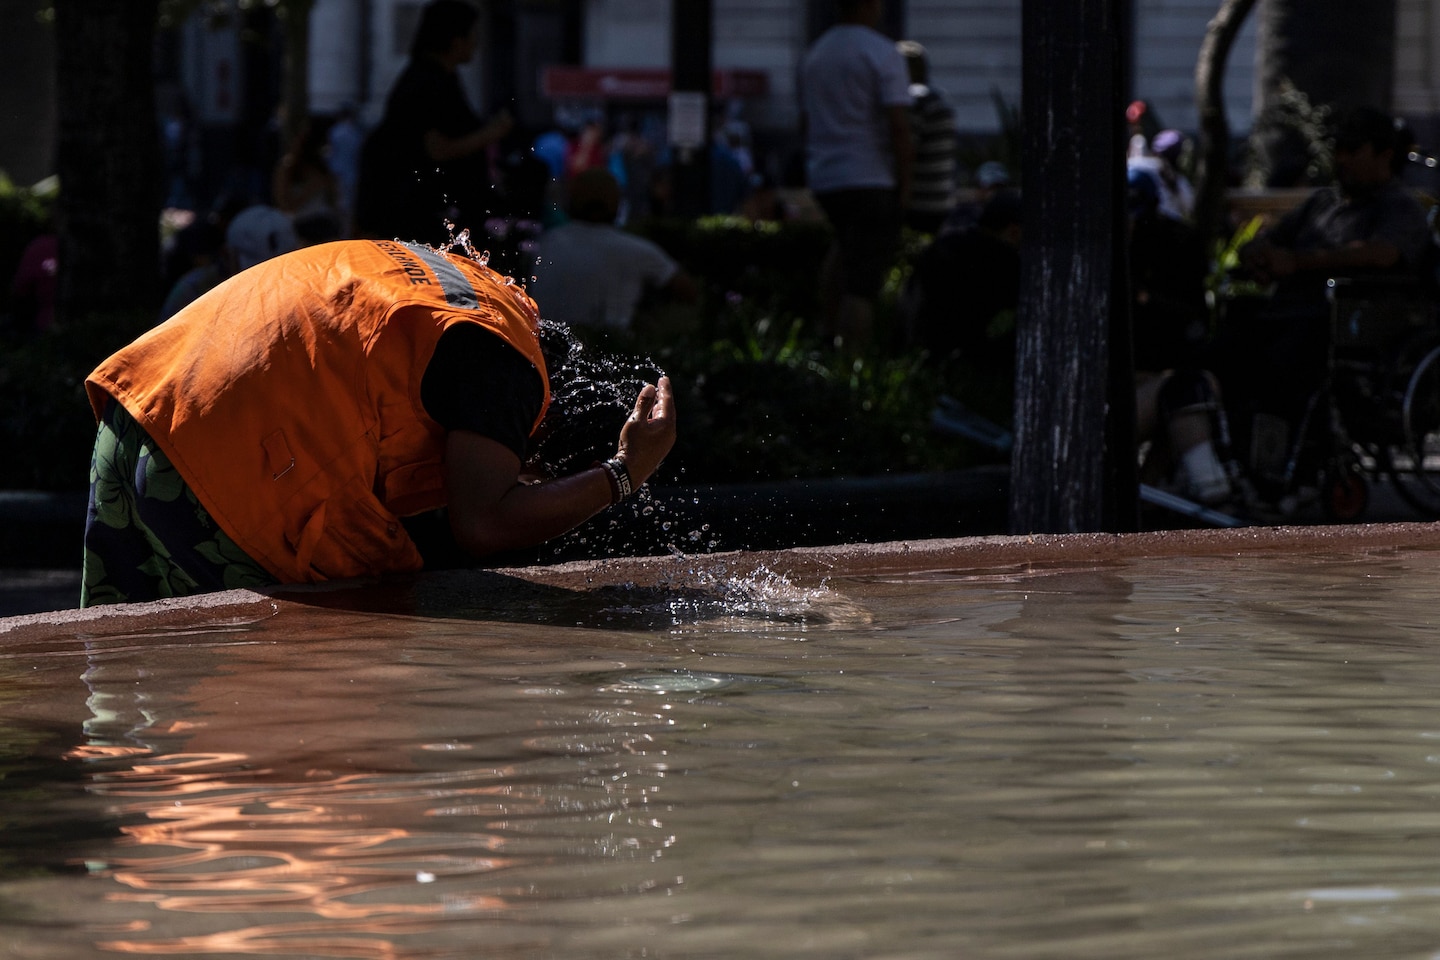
(649, 433)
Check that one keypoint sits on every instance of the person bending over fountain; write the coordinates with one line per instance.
(279, 428)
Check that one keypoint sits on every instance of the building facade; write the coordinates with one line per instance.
(225, 86)
(974, 48)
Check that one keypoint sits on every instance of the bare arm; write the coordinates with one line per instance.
(1274, 263)
(441, 148)
(492, 510)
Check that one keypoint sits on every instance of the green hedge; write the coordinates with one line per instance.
(761, 395)
(25, 212)
(46, 425)
(772, 266)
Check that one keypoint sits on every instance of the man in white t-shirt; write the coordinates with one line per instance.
(855, 103)
(589, 272)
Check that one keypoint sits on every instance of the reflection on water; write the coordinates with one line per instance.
(1184, 758)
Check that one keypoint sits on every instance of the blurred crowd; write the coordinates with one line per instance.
(526, 186)
(877, 157)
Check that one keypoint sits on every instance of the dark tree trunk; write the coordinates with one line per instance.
(1337, 52)
(107, 156)
(295, 84)
(1212, 172)
(1072, 469)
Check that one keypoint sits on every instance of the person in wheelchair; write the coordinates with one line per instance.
(1180, 422)
(1274, 352)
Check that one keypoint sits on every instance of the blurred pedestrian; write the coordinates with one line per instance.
(960, 300)
(1161, 161)
(855, 103)
(255, 235)
(932, 187)
(589, 148)
(305, 188)
(590, 273)
(992, 177)
(34, 285)
(425, 164)
(342, 153)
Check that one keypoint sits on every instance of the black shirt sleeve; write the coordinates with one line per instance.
(478, 382)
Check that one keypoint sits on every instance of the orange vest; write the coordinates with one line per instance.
(288, 398)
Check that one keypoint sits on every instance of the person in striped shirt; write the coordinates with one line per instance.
(932, 121)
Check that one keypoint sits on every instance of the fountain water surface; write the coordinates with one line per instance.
(1217, 743)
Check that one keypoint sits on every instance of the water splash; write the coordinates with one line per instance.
(711, 594)
(591, 395)
(692, 685)
(460, 243)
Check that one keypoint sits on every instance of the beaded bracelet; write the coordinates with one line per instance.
(619, 477)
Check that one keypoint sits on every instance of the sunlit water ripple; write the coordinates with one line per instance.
(1192, 758)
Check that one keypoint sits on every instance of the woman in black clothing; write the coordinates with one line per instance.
(425, 163)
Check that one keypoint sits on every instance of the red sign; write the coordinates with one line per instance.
(633, 83)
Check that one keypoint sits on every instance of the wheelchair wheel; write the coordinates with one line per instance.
(1415, 463)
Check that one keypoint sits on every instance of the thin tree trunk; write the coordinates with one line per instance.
(107, 156)
(1212, 172)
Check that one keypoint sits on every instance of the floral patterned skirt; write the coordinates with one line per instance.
(146, 535)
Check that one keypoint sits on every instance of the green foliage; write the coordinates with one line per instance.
(758, 262)
(774, 405)
(46, 427)
(25, 212)
(1226, 260)
(761, 395)
(1290, 142)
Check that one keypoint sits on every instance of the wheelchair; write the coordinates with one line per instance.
(1375, 417)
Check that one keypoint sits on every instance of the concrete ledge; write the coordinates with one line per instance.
(207, 609)
(994, 553)
(533, 594)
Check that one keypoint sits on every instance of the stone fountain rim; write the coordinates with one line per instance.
(974, 555)
(984, 553)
